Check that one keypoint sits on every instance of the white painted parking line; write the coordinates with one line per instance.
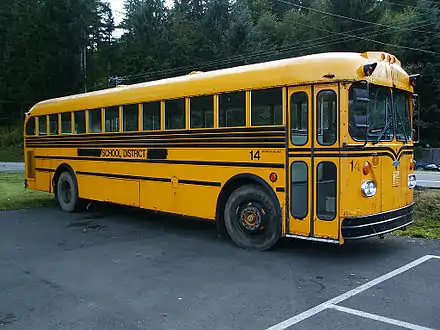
(334, 301)
(428, 181)
(379, 318)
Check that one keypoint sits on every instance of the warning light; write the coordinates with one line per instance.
(366, 168)
(273, 177)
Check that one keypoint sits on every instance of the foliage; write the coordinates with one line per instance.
(15, 196)
(51, 48)
(426, 214)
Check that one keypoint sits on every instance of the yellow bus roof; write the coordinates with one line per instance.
(288, 72)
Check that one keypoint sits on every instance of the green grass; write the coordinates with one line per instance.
(14, 196)
(11, 143)
(11, 154)
(426, 214)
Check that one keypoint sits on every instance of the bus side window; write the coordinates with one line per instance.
(151, 116)
(130, 117)
(175, 114)
(232, 109)
(327, 120)
(267, 107)
(111, 119)
(30, 126)
(202, 111)
(80, 122)
(95, 121)
(53, 124)
(66, 123)
(42, 125)
(299, 118)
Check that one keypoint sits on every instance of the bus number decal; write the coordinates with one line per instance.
(355, 165)
(255, 155)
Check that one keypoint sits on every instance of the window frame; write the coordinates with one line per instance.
(61, 123)
(291, 189)
(86, 130)
(246, 108)
(104, 120)
(307, 116)
(318, 117)
(122, 120)
(317, 190)
(88, 122)
(46, 131)
(164, 107)
(143, 116)
(282, 105)
(190, 110)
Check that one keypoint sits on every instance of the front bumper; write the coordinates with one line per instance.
(377, 224)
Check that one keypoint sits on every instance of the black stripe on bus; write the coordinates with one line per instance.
(165, 141)
(279, 189)
(158, 146)
(201, 183)
(166, 161)
(122, 176)
(198, 132)
(39, 169)
(195, 137)
(147, 178)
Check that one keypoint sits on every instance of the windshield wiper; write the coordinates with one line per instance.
(403, 126)
(387, 125)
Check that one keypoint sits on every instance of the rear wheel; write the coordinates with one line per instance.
(251, 218)
(67, 192)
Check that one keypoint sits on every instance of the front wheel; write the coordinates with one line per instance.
(67, 192)
(251, 218)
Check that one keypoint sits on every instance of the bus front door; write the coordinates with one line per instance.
(313, 164)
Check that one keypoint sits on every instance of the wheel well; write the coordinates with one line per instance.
(62, 168)
(232, 184)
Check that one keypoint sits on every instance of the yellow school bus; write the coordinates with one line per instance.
(317, 147)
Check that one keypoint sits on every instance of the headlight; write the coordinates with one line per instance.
(368, 188)
(412, 182)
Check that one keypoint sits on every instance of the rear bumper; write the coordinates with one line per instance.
(377, 224)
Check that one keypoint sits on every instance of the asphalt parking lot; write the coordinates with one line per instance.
(124, 269)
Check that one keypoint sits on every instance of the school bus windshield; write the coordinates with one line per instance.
(386, 113)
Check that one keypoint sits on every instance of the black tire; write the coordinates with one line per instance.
(66, 193)
(252, 219)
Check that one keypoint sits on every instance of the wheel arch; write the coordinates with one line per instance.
(60, 169)
(227, 189)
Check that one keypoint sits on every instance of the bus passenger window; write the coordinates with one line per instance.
(53, 124)
(111, 119)
(175, 114)
(299, 120)
(299, 188)
(151, 116)
(42, 125)
(267, 107)
(130, 116)
(80, 122)
(232, 109)
(202, 112)
(327, 119)
(95, 121)
(30, 126)
(66, 123)
(326, 190)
